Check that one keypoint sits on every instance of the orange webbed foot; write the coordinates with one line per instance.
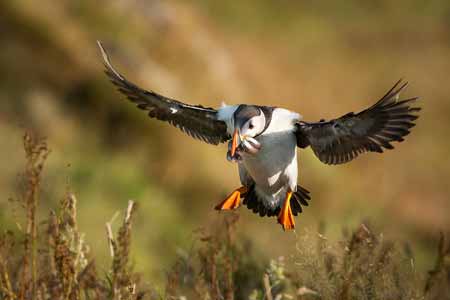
(286, 218)
(233, 201)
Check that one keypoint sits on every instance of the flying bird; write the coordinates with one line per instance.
(263, 140)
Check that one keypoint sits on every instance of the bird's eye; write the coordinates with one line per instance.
(250, 126)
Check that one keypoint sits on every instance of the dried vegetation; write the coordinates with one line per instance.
(49, 259)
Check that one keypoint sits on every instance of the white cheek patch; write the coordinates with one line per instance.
(259, 123)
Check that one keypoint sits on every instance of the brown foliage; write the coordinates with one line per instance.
(53, 261)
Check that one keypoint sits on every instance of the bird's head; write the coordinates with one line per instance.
(249, 122)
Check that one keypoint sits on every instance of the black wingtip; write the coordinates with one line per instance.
(103, 52)
(107, 62)
(394, 91)
(388, 120)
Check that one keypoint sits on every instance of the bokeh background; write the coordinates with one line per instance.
(319, 58)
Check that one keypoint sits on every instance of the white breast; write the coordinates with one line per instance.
(274, 167)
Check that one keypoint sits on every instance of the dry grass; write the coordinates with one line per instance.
(50, 260)
(363, 265)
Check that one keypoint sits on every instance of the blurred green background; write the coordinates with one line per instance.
(319, 58)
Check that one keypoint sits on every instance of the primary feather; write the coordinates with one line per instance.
(372, 130)
(195, 120)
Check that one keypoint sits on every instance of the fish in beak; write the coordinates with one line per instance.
(242, 143)
(250, 145)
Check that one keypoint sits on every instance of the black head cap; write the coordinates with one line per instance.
(244, 113)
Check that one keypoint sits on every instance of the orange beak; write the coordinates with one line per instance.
(234, 142)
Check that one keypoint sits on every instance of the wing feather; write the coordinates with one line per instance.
(372, 130)
(195, 120)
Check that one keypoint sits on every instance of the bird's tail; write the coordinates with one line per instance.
(299, 198)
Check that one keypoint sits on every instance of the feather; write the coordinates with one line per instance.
(372, 130)
(195, 120)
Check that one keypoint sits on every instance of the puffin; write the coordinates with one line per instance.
(263, 140)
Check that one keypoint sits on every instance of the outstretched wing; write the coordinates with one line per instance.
(341, 140)
(197, 121)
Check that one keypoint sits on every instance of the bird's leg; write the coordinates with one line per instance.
(233, 200)
(286, 218)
